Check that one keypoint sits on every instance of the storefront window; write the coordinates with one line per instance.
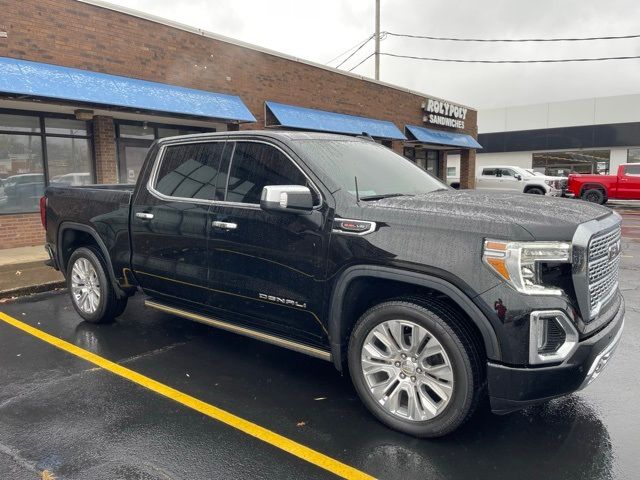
(21, 173)
(65, 126)
(172, 132)
(19, 123)
(24, 169)
(142, 132)
(69, 161)
(579, 161)
(633, 155)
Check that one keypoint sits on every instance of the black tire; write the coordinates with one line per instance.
(593, 195)
(460, 344)
(535, 191)
(109, 306)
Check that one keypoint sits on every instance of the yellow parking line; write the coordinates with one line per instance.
(283, 443)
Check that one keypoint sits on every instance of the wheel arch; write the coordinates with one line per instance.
(63, 254)
(529, 186)
(339, 323)
(593, 186)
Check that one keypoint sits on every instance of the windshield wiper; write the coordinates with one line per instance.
(384, 195)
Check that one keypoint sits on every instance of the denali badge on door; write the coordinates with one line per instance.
(283, 301)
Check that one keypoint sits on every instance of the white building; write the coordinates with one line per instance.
(588, 135)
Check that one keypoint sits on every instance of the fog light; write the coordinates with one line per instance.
(552, 337)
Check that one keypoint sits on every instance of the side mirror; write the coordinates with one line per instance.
(518, 176)
(286, 198)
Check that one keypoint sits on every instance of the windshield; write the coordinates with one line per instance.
(380, 171)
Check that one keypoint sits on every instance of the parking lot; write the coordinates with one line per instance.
(166, 414)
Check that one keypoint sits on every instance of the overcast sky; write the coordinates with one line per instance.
(320, 30)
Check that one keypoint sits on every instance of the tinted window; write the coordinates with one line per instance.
(632, 170)
(506, 172)
(256, 165)
(489, 172)
(190, 171)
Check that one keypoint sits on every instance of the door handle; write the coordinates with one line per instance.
(225, 225)
(144, 215)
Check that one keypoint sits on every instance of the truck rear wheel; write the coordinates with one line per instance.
(593, 195)
(416, 367)
(91, 292)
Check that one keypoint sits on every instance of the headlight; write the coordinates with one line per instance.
(549, 182)
(518, 263)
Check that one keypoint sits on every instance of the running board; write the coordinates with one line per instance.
(247, 332)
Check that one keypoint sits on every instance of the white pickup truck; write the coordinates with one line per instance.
(518, 179)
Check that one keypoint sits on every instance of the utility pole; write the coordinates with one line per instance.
(377, 53)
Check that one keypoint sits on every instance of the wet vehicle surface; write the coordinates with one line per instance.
(61, 413)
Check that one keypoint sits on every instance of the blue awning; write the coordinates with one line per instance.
(43, 80)
(322, 121)
(438, 137)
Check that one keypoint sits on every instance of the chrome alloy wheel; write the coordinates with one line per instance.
(85, 286)
(407, 370)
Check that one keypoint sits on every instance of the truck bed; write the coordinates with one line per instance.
(104, 208)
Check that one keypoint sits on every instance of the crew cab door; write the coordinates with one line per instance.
(629, 183)
(266, 268)
(507, 181)
(488, 179)
(170, 221)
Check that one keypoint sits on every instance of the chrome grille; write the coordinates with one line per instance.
(602, 269)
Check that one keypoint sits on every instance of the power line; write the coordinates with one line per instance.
(347, 51)
(459, 60)
(451, 39)
(364, 60)
(356, 51)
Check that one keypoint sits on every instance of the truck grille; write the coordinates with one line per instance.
(603, 266)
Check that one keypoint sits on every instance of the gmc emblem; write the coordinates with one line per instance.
(614, 250)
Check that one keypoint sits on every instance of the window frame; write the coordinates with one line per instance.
(153, 176)
(41, 116)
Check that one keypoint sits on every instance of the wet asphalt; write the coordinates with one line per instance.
(62, 414)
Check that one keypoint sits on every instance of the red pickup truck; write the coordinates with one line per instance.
(600, 188)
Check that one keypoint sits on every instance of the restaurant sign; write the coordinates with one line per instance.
(439, 112)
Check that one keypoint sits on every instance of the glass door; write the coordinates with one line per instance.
(131, 155)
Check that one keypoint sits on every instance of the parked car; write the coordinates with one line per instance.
(517, 179)
(71, 179)
(24, 189)
(341, 249)
(600, 188)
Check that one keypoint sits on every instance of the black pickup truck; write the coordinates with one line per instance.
(339, 248)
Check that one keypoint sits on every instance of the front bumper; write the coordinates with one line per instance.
(513, 388)
(554, 192)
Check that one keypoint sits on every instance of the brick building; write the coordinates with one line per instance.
(85, 88)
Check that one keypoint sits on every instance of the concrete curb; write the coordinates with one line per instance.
(31, 289)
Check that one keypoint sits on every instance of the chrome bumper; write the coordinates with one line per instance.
(602, 359)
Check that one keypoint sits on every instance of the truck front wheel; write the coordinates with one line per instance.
(91, 292)
(593, 195)
(416, 367)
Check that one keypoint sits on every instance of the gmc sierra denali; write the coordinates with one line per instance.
(339, 248)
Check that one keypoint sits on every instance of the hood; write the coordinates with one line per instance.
(547, 177)
(545, 218)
